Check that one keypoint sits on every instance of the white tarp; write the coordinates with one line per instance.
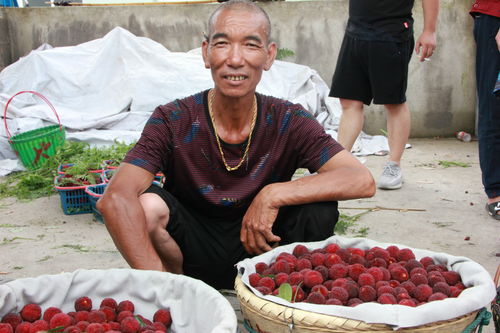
(479, 292)
(105, 89)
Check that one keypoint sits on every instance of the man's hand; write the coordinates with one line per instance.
(425, 45)
(256, 228)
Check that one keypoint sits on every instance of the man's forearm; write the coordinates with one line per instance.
(431, 11)
(340, 184)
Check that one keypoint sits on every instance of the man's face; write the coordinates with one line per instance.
(237, 51)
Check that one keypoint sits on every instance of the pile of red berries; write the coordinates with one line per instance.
(111, 317)
(351, 276)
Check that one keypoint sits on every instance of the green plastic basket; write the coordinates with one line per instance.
(35, 147)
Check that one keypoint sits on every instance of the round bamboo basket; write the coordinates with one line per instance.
(267, 317)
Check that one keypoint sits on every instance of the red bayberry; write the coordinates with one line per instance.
(31, 312)
(130, 325)
(60, 319)
(83, 304)
(312, 278)
(125, 305)
(6, 328)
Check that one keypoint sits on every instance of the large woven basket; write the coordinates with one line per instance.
(264, 316)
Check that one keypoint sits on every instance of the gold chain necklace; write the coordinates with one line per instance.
(210, 110)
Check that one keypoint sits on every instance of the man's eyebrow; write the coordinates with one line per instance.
(219, 35)
(254, 38)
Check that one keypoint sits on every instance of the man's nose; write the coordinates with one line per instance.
(235, 57)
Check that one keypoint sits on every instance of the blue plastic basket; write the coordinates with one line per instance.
(94, 192)
(74, 200)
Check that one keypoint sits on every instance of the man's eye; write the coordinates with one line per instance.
(220, 43)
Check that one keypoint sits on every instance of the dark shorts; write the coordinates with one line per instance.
(211, 247)
(372, 70)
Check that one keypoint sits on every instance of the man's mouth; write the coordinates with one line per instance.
(235, 77)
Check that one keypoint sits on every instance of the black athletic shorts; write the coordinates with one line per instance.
(372, 70)
(211, 247)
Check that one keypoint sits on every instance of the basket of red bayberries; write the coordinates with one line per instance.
(356, 284)
(113, 300)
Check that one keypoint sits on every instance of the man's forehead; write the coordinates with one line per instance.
(232, 18)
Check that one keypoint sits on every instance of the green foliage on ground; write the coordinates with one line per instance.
(32, 184)
(449, 164)
(346, 224)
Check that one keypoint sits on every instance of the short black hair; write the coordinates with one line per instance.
(239, 5)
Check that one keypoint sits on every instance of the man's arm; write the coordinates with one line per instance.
(343, 177)
(426, 43)
(125, 218)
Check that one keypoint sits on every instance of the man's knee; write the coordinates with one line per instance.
(307, 223)
(351, 105)
(155, 210)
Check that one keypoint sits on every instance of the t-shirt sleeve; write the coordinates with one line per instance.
(314, 146)
(154, 146)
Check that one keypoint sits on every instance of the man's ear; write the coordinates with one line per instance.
(204, 53)
(271, 55)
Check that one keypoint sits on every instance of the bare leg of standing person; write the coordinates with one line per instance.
(351, 122)
(398, 129)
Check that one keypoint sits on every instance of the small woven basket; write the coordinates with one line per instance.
(268, 317)
(35, 147)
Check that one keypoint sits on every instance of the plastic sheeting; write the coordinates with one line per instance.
(479, 293)
(104, 90)
(194, 305)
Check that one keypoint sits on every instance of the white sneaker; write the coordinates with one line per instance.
(391, 178)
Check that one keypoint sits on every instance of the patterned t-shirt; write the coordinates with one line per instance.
(179, 140)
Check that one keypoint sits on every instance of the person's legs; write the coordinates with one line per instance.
(398, 129)
(351, 122)
(157, 215)
(488, 131)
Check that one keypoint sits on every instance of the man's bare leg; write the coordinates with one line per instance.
(157, 215)
(351, 122)
(398, 129)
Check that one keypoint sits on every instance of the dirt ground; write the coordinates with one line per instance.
(439, 208)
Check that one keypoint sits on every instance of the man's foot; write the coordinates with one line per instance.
(494, 210)
(391, 178)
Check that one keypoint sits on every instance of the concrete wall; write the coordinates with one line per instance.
(441, 93)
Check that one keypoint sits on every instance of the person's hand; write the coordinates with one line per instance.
(425, 45)
(256, 228)
(497, 38)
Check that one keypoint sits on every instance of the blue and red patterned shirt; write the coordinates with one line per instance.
(179, 140)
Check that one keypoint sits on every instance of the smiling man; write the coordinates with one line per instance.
(228, 155)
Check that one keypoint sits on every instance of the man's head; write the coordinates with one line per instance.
(237, 48)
